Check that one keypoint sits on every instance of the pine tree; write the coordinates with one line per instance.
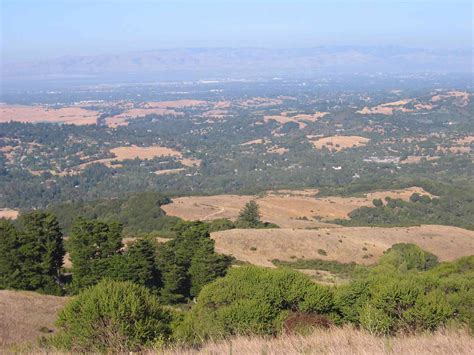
(249, 216)
(10, 275)
(92, 247)
(188, 262)
(141, 264)
(33, 255)
(206, 266)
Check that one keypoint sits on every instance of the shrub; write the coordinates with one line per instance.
(322, 252)
(377, 202)
(429, 312)
(408, 256)
(114, 316)
(252, 300)
(374, 320)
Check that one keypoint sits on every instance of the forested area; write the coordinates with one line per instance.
(451, 205)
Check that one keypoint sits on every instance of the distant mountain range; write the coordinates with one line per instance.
(250, 62)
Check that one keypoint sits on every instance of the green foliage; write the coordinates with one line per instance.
(249, 215)
(93, 247)
(31, 256)
(137, 264)
(388, 301)
(188, 262)
(112, 316)
(374, 320)
(252, 300)
(139, 213)
(337, 268)
(454, 206)
(377, 202)
(408, 257)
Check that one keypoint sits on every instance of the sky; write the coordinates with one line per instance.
(41, 29)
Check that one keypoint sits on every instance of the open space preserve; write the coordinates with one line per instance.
(288, 209)
(36, 114)
(363, 245)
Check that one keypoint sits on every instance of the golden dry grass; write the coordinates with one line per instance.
(299, 119)
(342, 244)
(255, 141)
(24, 314)
(8, 213)
(133, 152)
(122, 119)
(142, 153)
(462, 97)
(287, 208)
(337, 341)
(339, 142)
(36, 114)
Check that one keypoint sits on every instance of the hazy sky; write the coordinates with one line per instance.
(32, 29)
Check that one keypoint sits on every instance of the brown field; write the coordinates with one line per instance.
(122, 119)
(343, 244)
(36, 114)
(390, 107)
(23, 314)
(337, 341)
(466, 140)
(339, 142)
(287, 208)
(255, 141)
(8, 213)
(461, 96)
(299, 119)
(134, 152)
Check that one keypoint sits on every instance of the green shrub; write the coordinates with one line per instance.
(408, 257)
(113, 316)
(429, 312)
(252, 300)
(374, 320)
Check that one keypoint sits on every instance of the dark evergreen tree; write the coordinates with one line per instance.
(33, 255)
(206, 266)
(188, 262)
(249, 216)
(10, 274)
(141, 264)
(93, 247)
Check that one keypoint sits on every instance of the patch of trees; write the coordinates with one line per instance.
(455, 208)
(31, 254)
(138, 213)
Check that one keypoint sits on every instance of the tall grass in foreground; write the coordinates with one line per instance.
(338, 341)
